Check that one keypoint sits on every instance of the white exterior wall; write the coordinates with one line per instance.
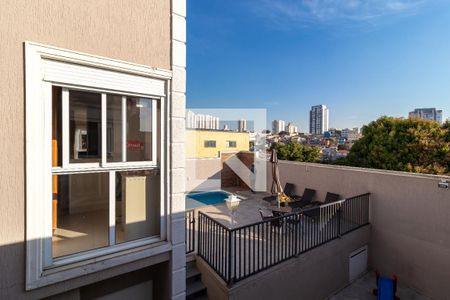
(177, 161)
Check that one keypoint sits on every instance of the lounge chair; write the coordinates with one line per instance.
(289, 189)
(305, 200)
(329, 198)
(273, 217)
(315, 211)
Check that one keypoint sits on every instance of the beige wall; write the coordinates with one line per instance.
(409, 215)
(316, 274)
(203, 174)
(195, 142)
(136, 31)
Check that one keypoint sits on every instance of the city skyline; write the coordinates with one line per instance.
(361, 63)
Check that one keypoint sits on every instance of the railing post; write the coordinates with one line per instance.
(339, 220)
(296, 233)
(230, 257)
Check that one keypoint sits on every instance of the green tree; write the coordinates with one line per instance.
(412, 145)
(297, 152)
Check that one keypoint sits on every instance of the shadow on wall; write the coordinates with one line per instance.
(214, 174)
(148, 278)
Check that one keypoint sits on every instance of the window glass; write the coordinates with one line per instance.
(82, 213)
(114, 128)
(139, 129)
(85, 126)
(231, 144)
(137, 205)
(210, 144)
(56, 126)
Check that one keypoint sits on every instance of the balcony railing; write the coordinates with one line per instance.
(238, 253)
(190, 231)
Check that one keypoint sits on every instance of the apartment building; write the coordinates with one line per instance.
(291, 128)
(318, 119)
(201, 121)
(211, 143)
(93, 97)
(431, 114)
(278, 126)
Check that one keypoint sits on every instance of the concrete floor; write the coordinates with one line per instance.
(362, 288)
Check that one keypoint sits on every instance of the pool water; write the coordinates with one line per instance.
(197, 199)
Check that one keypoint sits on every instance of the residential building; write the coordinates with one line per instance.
(93, 118)
(202, 143)
(318, 119)
(291, 128)
(350, 134)
(431, 114)
(278, 126)
(332, 133)
(201, 121)
(242, 125)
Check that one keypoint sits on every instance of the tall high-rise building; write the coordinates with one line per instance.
(242, 125)
(201, 121)
(291, 128)
(428, 114)
(318, 119)
(278, 126)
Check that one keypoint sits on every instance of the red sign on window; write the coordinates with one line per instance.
(135, 145)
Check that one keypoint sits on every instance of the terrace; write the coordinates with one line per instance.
(309, 254)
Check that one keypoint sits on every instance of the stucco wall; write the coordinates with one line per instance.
(203, 174)
(195, 142)
(409, 218)
(135, 31)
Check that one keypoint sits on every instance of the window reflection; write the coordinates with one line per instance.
(137, 205)
(139, 129)
(114, 128)
(82, 214)
(85, 126)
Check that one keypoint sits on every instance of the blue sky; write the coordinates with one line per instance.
(361, 58)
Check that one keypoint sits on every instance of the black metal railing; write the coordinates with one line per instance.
(190, 231)
(238, 253)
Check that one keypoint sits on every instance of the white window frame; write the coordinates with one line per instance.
(45, 66)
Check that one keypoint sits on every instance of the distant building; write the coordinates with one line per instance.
(318, 119)
(201, 121)
(291, 128)
(332, 133)
(278, 126)
(350, 134)
(427, 114)
(203, 143)
(242, 125)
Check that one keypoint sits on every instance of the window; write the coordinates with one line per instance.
(230, 144)
(82, 212)
(95, 168)
(210, 144)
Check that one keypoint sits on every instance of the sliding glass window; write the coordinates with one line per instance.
(106, 175)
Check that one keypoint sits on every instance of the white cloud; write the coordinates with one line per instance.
(304, 12)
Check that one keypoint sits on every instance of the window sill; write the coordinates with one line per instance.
(71, 271)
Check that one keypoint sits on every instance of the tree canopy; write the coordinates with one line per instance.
(297, 152)
(412, 145)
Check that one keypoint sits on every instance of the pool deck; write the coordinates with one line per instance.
(247, 212)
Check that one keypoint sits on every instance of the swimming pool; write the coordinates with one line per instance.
(196, 199)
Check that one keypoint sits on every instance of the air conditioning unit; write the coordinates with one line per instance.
(358, 263)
